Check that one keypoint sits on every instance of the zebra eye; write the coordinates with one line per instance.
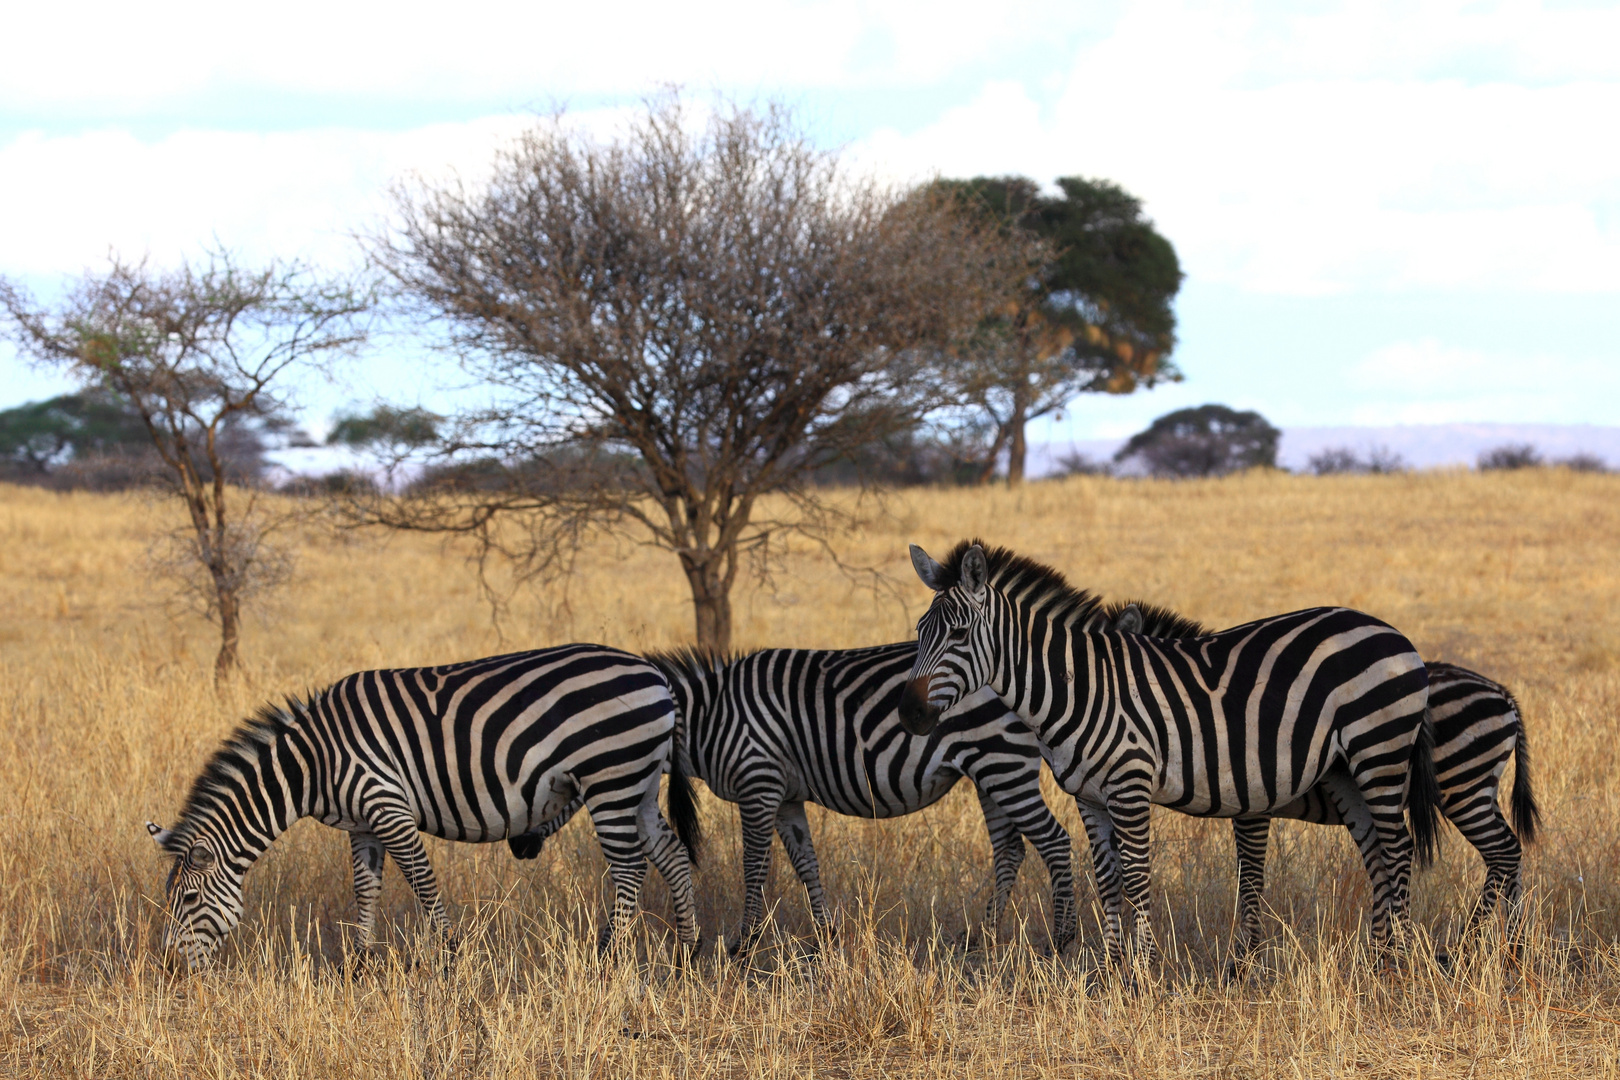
(958, 633)
(189, 896)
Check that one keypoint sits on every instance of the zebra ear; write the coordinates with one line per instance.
(1128, 621)
(975, 571)
(932, 574)
(162, 837)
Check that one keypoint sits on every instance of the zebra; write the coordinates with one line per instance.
(1239, 722)
(773, 729)
(1478, 727)
(476, 751)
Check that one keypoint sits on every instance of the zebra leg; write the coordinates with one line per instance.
(1480, 820)
(1007, 847)
(758, 812)
(618, 832)
(1250, 835)
(1035, 821)
(395, 828)
(794, 829)
(669, 856)
(1105, 866)
(1389, 874)
(1131, 810)
(366, 855)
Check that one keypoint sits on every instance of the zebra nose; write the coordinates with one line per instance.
(918, 715)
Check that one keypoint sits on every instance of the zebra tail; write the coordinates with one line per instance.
(1526, 814)
(683, 808)
(1423, 795)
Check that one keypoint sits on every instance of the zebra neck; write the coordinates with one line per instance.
(254, 794)
(1026, 670)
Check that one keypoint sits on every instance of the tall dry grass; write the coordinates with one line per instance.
(107, 711)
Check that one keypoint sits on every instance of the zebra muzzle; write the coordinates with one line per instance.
(917, 714)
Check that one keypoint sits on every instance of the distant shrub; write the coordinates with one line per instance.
(1078, 464)
(1510, 456)
(1334, 460)
(340, 482)
(1584, 462)
(1342, 459)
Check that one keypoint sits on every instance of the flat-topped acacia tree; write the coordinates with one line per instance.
(673, 324)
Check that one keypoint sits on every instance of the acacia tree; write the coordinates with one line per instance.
(1094, 313)
(1210, 440)
(195, 351)
(673, 324)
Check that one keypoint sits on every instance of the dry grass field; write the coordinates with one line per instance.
(107, 710)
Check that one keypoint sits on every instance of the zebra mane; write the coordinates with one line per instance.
(1157, 622)
(1029, 581)
(692, 661)
(241, 752)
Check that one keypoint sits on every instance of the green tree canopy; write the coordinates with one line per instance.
(387, 426)
(43, 433)
(1097, 314)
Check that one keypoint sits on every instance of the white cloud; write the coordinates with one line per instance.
(1426, 381)
(143, 55)
(1372, 147)
(70, 198)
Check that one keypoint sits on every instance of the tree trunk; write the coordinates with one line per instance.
(1016, 446)
(988, 472)
(230, 625)
(711, 602)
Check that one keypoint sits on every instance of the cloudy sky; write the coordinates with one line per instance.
(1388, 213)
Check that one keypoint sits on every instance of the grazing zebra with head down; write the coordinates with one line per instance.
(1477, 729)
(1243, 721)
(476, 751)
(774, 729)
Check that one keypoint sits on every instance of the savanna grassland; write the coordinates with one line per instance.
(107, 710)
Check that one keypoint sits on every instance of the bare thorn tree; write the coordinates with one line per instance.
(674, 325)
(196, 350)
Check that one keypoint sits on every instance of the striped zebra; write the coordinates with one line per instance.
(1239, 722)
(1477, 728)
(476, 751)
(774, 729)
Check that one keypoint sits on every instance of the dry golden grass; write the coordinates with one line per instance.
(107, 711)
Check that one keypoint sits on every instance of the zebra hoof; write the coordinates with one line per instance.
(686, 954)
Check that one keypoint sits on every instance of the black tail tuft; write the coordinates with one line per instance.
(1423, 796)
(683, 808)
(1526, 814)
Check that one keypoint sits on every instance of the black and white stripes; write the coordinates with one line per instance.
(477, 751)
(1477, 727)
(1243, 721)
(774, 729)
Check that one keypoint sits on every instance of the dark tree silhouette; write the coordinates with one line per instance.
(1209, 440)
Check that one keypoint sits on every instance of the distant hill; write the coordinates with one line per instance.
(1423, 446)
